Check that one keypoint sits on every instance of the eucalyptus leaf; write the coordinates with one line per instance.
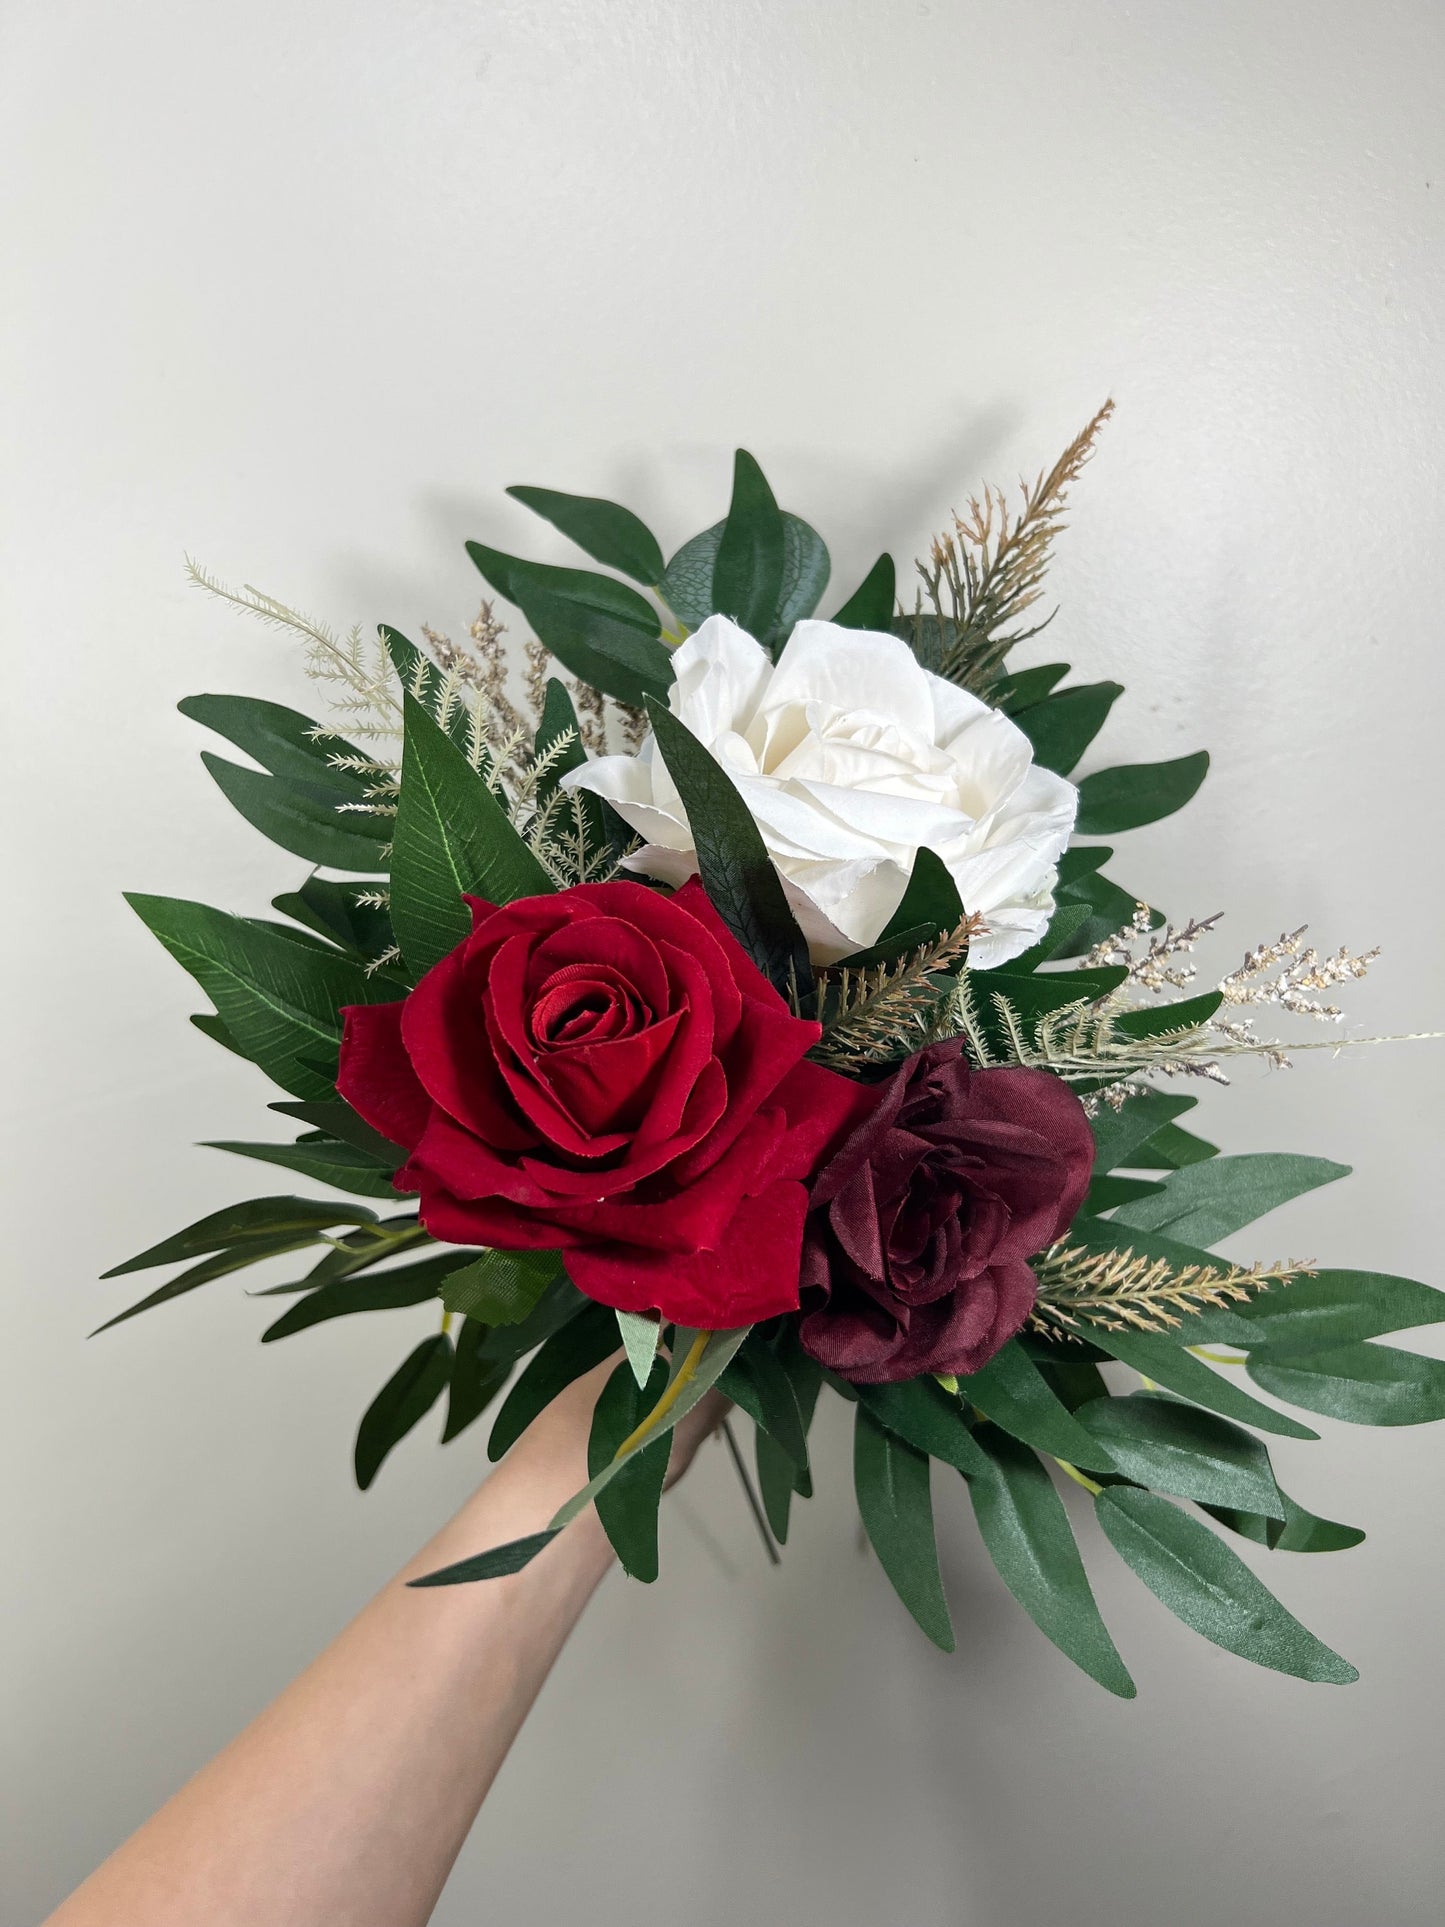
(1063, 725)
(1174, 1447)
(1011, 1391)
(1137, 793)
(1321, 1310)
(1118, 1134)
(891, 1479)
(1206, 1202)
(1361, 1384)
(610, 534)
(1165, 1361)
(688, 585)
(405, 1399)
(871, 604)
(627, 1506)
(1299, 1531)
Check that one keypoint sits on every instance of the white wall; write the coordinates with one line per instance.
(299, 286)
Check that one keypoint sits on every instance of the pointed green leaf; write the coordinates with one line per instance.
(1361, 1384)
(757, 1383)
(411, 1284)
(641, 1334)
(496, 1564)
(1300, 1531)
(1164, 1360)
(569, 1353)
(1118, 1134)
(405, 1399)
(1321, 1310)
(326, 1162)
(930, 904)
(281, 740)
(1062, 727)
(1011, 1391)
(688, 585)
(748, 573)
(305, 818)
(1137, 793)
(1210, 1588)
(1206, 1202)
(930, 1419)
(871, 604)
(1171, 1148)
(453, 838)
(257, 1219)
(1026, 1530)
(501, 1287)
(330, 908)
(475, 1381)
(892, 1482)
(777, 1482)
(737, 872)
(1158, 1020)
(1029, 686)
(597, 627)
(610, 534)
(218, 1266)
(1177, 1448)
(336, 1118)
(628, 1505)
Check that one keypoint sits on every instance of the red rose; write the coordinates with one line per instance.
(606, 1072)
(923, 1220)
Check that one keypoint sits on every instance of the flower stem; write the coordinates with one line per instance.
(1078, 1477)
(755, 1504)
(669, 1397)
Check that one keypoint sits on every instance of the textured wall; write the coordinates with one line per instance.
(299, 288)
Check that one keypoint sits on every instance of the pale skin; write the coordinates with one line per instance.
(345, 1803)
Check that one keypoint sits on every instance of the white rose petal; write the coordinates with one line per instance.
(851, 757)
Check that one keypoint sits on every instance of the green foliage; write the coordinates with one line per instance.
(1026, 1531)
(1025, 687)
(1208, 1201)
(1119, 1134)
(496, 1564)
(1137, 793)
(1210, 1588)
(628, 1505)
(1063, 725)
(929, 908)
(929, 1418)
(453, 838)
(405, 1399)
(258, 1220)
(331, 910)
(891, 1479)
(872, 603)
(335, 1117)
(1299, 1531)
(597, 627)
(501, 1287)
(1174, 1447)
(1164, 1360)
(747, 574)
(757, 1382)
(689, 585)
(304, 818)
(1012, 1392)
(475, 1381)
(322, 1159)
(737, 872)
(610, 534)
(641, 1334)
(1323, 1310)
(412, 1284)
(1362, 1384)
(570, 1352)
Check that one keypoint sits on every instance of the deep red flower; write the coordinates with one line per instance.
(922, 1222)
(606, 1072)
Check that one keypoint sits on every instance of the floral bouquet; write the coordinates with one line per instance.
(742, 1006)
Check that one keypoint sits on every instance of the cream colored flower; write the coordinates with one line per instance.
(851, 758)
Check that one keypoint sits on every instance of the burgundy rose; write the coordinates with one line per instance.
(606, 1072)
(922, 1221)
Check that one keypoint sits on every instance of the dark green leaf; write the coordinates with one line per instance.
(1064, 924)
(777, 1482)
(737, 872)
(747, 580)
(330, 909)
(1024, 1526)
(1118, 1134)
(569, 1353)
(1173, 1447)
(1325, 1309)
(280, 1001)
(281, 740)
(496, 1564)
(235, 1259)
(1029, 686)
(1106, 1194)
(1210, 1588)
(326, 1162)
(1158, 1020)
(1206, 1202)
(597, 627)
(256, 1219)
(628, 1506)
(209, 1025)
(1137, 793)
(1171, 1148)
(688, 586)
(1080, 861)
(892, 1482)
(871, 604)
(1300, 1531)
(304, 818)
(930, 904)
(337, 1119)
(1165, 1360)
(453, 838)
(1111, 909)
(519, 580)
(1011, 1391)
(1362, 1384)
(376, 1291)
(610, 534)
(426, 683)
(1062, 727)
(559, 1303)
(475, 1381)
(405, 1399)
(758, 1383)
(559, 719)
(501, 1287)
(930, 1419)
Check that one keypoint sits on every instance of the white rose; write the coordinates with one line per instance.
(852, 757)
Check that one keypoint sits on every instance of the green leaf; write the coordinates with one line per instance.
(1111, 908)
(281, 740)
(411, 1284)
(569, 1353)
(1026, 1530)
(1011, 1391)
(930, 904)
(737, 872)
(1301, 1531)
(1064, 924)
(234, 1259)
(1137, 793)
(712, 1357)
(1325, 1309)
(1029, 686)
(1206, 1202)
(871, 604)
(330, 909)
(559, 1304)
(688, 585)
(559, 718)
(1062, 727)
(747, 579)
(777, 1482)
(779, 1474)
(1362, 1384)
(610, 534)
(928, 1418)
(627, 1506)
(496, 1564)
(405, 1399)
(757, 1383)
(425, 682)
(475, 1380)
(1118, 1134)
(597, 627)
(1106, 1194)
(641, 1333)
(341, 1165)
(1210, 1588)
(280, 1001)
(258, 1219)
(1165, 1360)
(1170, 1149)
(892, 1482)
(1177, 1448)
(453, 838)
(336, 1118)
(304, 818)
(1158, 1020)
(501, 1287)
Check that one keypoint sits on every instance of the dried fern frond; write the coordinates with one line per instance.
(879, 1014)
(987, 572)
(1117, 1291)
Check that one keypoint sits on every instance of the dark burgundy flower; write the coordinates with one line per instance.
(921, 1224)
(605, 1072)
